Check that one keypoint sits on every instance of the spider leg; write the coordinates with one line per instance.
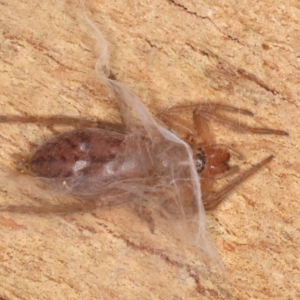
(212, 201)
(175, 121)
(210, 111)
(51, 209)
(206, 107)
(194, 130)
(60, 120)
(213, 115)
(48, 121)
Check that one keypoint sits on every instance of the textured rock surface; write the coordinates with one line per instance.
(243, 53)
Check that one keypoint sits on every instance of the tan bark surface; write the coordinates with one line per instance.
(243, 53)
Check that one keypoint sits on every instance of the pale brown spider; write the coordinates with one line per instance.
(86, 161)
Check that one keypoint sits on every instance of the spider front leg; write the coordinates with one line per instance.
(211, 112)
(185, 126)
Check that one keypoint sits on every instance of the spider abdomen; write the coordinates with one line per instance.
(88, 162)
(77, 152)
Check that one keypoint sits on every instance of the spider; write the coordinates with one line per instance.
(87, 161)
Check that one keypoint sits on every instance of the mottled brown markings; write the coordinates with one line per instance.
(57, 157)
(64, 159)
(68, 174)
(72, 144)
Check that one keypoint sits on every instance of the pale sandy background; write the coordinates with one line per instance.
(244, 53)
